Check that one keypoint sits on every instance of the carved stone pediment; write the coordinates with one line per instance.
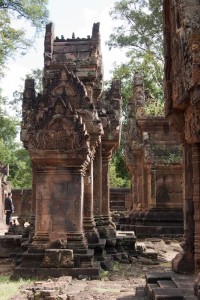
(54, 127)
(72, 92)
(68, 86)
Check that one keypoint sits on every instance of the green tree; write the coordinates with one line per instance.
(20, 172)
(11, 151)
(19, 160)
(140, 32)
(13, 39)
(140, 26)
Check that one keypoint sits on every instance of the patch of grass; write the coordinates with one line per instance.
(9, 288)
(116, 266)
(166, 264)
(103, 274)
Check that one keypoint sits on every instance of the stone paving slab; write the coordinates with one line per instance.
(166, 284)
(183, 282)
(154, 277)
(170, 293)
(149, 289)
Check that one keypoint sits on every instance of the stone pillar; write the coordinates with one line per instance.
(59, 208)
(196, 200)
(33, 203)
(97, 191)
(108, 229)
(89, 225)
(184, 262)
(153, 187)
(140, 183)
(148, 192)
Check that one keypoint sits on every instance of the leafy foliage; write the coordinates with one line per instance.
(13, 39)
(18, 159)
(140, 26)
(120, 169)
(115, 179)
(140, 33)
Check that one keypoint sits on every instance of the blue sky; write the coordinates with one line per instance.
(75, 16)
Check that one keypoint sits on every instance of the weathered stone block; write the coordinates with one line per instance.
(55, 258)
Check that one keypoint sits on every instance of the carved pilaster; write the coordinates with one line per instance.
(184, 262)
(89, 225)
(147, 189)
(97, 191)
(107, 230)
(196, 200)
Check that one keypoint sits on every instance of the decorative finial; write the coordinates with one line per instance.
(73, 35)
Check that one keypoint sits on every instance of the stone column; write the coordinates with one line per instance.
(97, 191)
(108, 229)
(148, 184)
(140, 183)
(153, 187)
(89, 225)
(59, 208)
(184, 262)
(33, 202)
(196, 200)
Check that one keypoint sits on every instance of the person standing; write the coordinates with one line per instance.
(9, 209)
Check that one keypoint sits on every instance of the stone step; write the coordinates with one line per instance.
(84, 260)
(9, 244)
(154, 277)
(45, 273)
(149, 289)
(166, 284)
(155, 230)
(140, 292)
(183, 282)
(170, 293)
(31, 259)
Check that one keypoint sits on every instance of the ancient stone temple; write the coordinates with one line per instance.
(182, 89)
(70, 131)
(153, 158)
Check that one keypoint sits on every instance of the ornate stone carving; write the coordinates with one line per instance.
(192, 124)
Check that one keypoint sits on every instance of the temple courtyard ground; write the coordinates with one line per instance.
(120, 283)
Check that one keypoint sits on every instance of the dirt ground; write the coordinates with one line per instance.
(118, 284)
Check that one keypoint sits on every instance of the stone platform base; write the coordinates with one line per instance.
(144, 231)
(45, 273)
(155, 222)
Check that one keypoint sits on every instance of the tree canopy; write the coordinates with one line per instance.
(15, 15)
(140, 33)
(12, 37)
